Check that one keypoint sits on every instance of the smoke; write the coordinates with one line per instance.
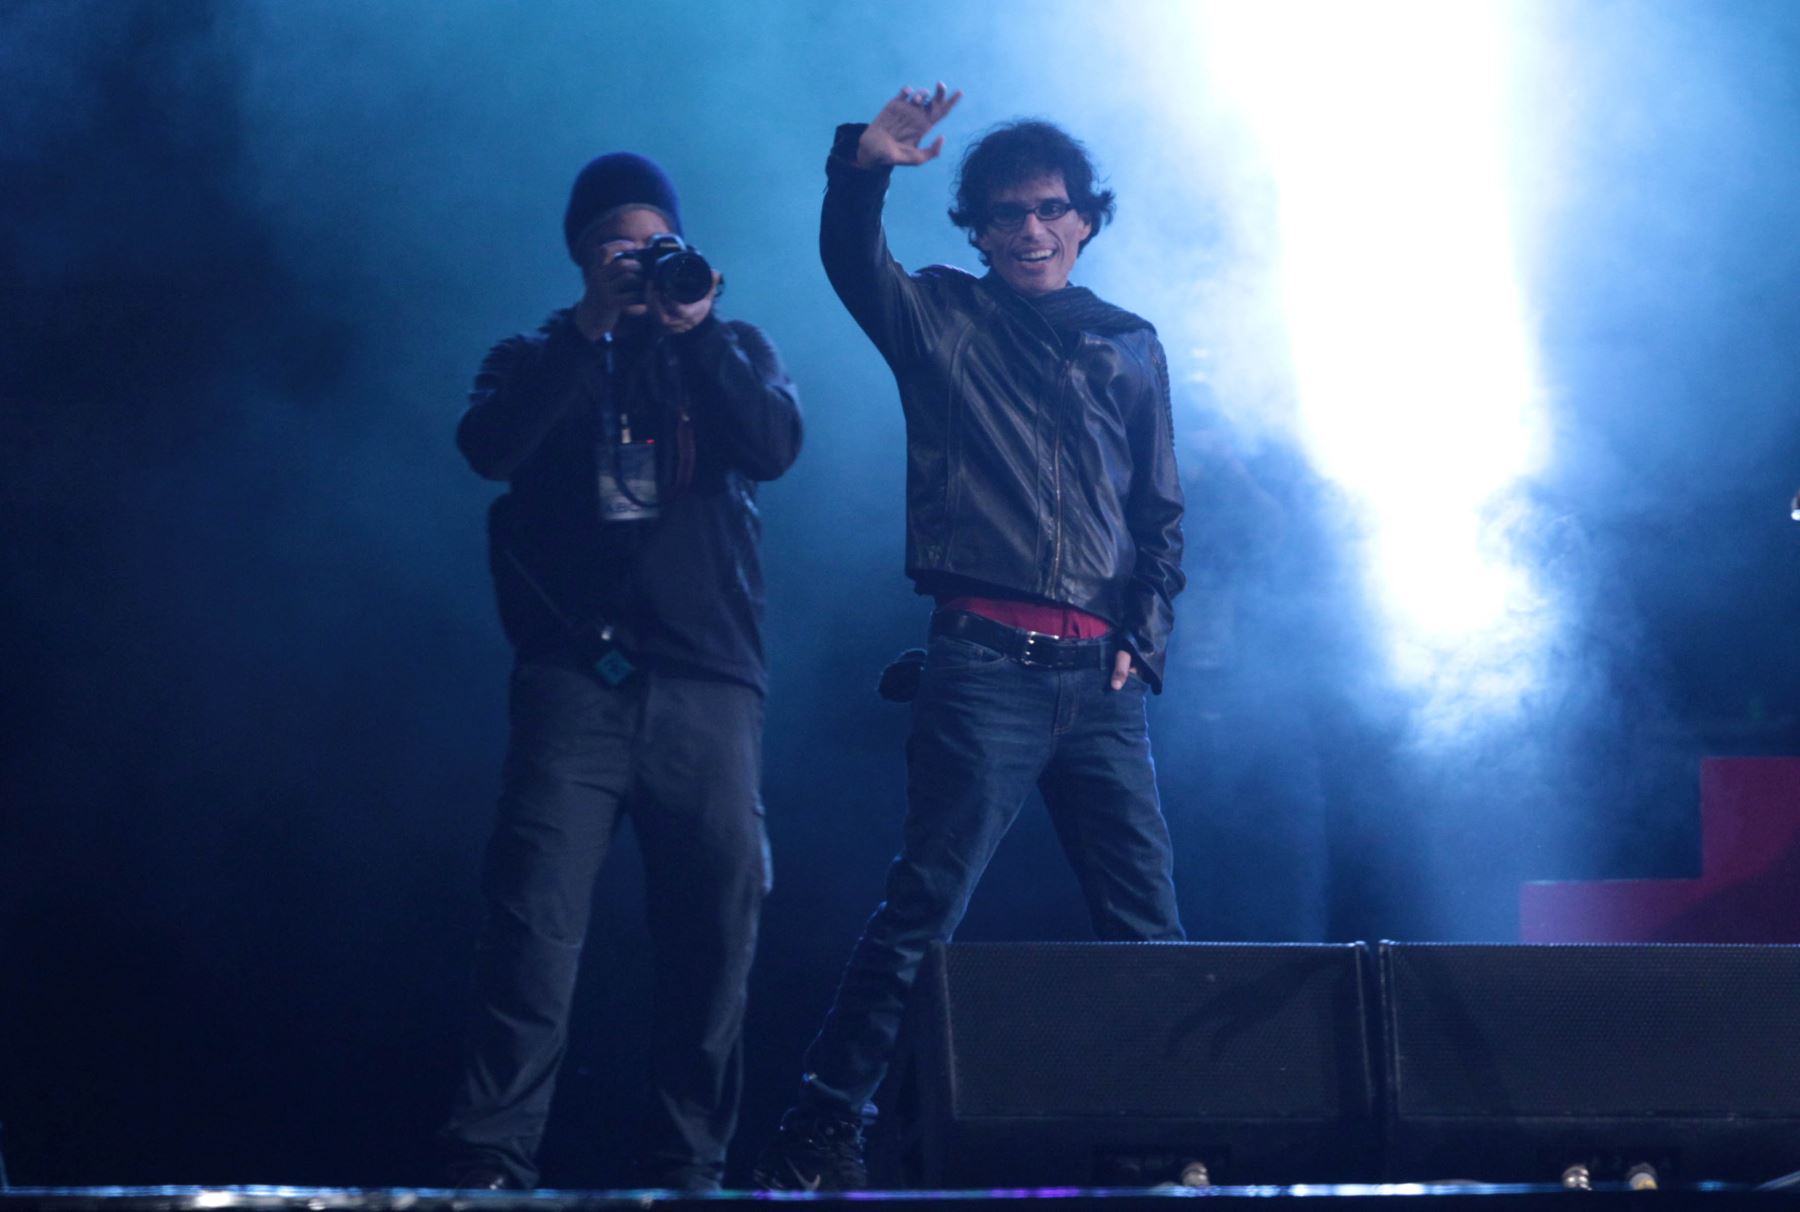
(254, 251)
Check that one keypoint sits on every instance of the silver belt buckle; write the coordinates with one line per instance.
(1028, 654)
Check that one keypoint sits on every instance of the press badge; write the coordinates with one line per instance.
(627, 479)
(625, 463)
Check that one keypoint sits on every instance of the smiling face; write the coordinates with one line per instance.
(1036, 256)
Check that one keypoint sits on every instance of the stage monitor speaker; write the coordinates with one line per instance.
(1515, 1063)
(1053, 1064)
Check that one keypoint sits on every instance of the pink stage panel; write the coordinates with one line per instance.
(1749, 886)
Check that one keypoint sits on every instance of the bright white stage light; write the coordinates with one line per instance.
(1385, 129)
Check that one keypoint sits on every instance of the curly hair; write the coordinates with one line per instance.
(1015, 152)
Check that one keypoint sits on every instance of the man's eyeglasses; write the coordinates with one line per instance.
(1010, 216)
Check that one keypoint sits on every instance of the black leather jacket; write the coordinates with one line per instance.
(1038, 464)
(687, 586)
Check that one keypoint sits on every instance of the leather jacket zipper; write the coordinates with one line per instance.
(1056, 535)
(1065, 364)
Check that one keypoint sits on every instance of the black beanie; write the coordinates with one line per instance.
(614, 180)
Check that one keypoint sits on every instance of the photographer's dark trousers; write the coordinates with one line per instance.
(681, 757)
(986, 729)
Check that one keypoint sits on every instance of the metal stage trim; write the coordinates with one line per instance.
(1476, 1197)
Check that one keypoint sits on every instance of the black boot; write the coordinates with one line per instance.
(813, 1151)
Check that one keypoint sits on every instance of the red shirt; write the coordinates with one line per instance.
(1046, 618)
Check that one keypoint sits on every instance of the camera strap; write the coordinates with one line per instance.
(597, 640)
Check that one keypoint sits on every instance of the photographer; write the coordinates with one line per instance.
(632, 429)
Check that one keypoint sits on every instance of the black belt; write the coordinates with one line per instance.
(1032, 648)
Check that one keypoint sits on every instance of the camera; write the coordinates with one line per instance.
(677, 270)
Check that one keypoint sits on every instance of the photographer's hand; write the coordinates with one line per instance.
(680, 317)
(893, 137)
(615, 288)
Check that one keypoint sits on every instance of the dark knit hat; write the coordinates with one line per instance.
(611, 181)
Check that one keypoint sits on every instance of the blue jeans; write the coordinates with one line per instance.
(682, 757)
(985, 730)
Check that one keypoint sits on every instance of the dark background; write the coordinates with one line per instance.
(249, 257)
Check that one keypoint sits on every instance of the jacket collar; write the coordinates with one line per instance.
(1072, 307)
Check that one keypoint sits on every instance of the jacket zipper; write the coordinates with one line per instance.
(1065, 365)
(1056, 549)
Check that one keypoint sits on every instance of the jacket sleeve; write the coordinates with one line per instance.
(740, 391)
(1153, 512)
(525, 387)
(880, 295)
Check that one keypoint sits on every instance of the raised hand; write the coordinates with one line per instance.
(893, 137)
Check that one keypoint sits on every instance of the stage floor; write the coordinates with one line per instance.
(1407, 1196)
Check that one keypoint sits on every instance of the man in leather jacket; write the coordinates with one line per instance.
(1044, 517)
(632, 430)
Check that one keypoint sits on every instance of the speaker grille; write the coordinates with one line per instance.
(1164, 1030)
(1592, 1031)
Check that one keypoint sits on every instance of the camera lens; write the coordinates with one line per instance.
(683, 277)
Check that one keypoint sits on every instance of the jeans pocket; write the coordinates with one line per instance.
(953, 653)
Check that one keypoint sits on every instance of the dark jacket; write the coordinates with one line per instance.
(687, 585)
(1039, 464)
